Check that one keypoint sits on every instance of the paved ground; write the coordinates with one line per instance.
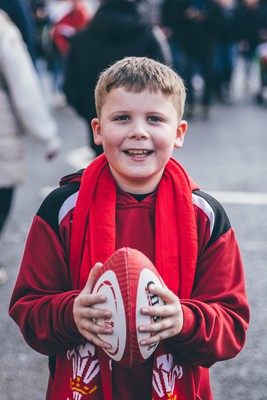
(227, 156)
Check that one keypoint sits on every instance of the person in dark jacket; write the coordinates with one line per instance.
(226, 50)
(248, 23)
(118, 29)
(195, 25)
(261, 52)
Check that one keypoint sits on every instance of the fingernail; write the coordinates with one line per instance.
(141, 329)
(150, 285)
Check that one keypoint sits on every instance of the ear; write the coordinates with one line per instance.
(180, 134)
(96, 127)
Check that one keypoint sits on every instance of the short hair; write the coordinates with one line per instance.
(136, 74)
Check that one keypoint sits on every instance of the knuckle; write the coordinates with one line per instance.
(160, 337)
(164, 324)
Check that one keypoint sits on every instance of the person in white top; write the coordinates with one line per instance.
(23, 110)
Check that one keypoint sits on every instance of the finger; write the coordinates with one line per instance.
(161, 312)
(163, 292)
(92, 276)
(94, 312)
(96, 340)
(159, 332)
(96, 326)
(92, 329)
(157, 326)
(88, 300)
(155, 338)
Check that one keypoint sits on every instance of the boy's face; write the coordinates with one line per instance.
(138, 132)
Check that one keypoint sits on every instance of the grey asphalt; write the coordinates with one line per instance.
(226, 155)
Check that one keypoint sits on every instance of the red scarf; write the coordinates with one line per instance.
(94, 230)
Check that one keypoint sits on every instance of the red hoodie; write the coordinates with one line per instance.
(216, 311)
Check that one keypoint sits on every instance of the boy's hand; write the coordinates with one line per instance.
(84, 313)
(171, 314)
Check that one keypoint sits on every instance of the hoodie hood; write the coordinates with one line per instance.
(75, 177)
(118, 20)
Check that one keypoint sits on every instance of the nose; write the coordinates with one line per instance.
(138, 131)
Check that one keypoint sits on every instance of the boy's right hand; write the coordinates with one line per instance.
(84, 313)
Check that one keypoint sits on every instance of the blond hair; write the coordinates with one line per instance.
(136, 74)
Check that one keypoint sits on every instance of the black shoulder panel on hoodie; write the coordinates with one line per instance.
(51, 205)
(221, 221)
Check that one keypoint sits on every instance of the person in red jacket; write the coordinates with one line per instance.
(66, 18)
(136, 195)
(75, 19)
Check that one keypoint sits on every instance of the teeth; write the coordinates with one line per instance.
(137, 152)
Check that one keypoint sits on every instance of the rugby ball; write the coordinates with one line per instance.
(124, 279)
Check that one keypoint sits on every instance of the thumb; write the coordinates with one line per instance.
(92, 276)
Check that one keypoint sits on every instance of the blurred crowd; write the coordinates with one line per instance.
(73, 40)
(205, 38)
(208, 36)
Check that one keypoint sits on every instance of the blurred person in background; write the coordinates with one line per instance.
(168, 22)
(22, 110)
(261, 53)
(196, 25)
(225, 51)
(66, 18)
(118, 29)
(19, 12)
(248, 34)
(40, 18)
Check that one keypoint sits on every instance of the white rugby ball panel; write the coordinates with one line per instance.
(146, 299)
(108, 285)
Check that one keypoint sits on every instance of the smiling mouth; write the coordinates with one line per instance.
(141, 153)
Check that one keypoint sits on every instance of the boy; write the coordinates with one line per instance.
(133, 195)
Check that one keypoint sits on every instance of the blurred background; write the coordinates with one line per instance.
(50, 55)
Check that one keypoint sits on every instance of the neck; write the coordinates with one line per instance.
(137, 186)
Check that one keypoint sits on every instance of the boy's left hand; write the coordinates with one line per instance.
(171, 314)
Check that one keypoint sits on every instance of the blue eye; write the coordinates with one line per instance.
(122, 118)
(153, 118)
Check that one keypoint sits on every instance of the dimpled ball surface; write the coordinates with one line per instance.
(124, 279)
